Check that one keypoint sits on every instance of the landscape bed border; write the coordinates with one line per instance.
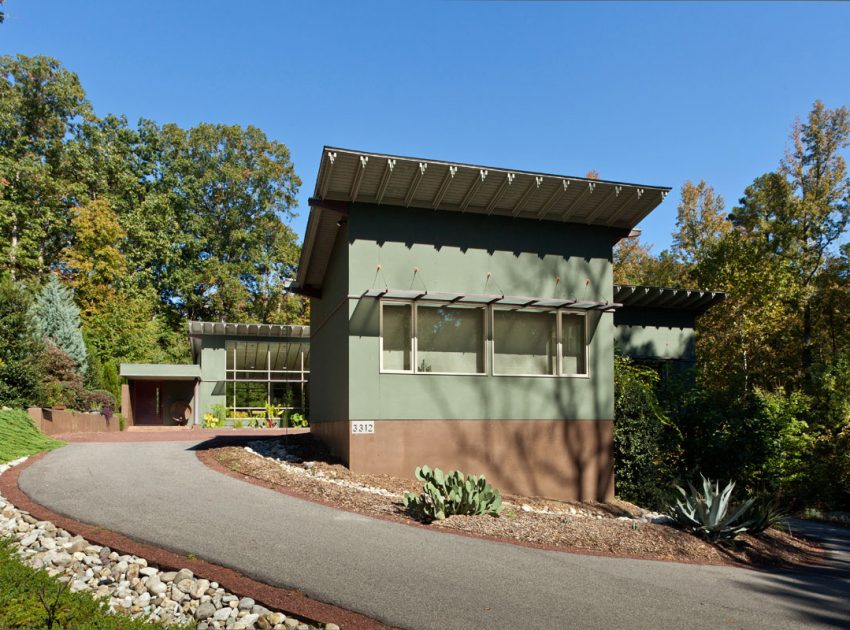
(289, 601)
(205, 456)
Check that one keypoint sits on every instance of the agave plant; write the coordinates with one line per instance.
(452, 493)
(710, 513)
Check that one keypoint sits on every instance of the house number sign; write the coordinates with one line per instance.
(361, 427)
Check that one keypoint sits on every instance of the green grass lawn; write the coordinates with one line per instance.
(19, 436)
(30, 598)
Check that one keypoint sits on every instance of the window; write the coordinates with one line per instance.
(452, 339)
(524, 342)
(396, 337)
(573, 345)
(265, 372)
(449, 339)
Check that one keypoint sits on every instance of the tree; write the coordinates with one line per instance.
(58, 320)
(93, 262)
(800, 211)
(41, 103)
(21, 350)
(700, 223)
(211, 229)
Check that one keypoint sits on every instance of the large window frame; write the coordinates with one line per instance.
(488, 312)
(266, 378)
(414, 341)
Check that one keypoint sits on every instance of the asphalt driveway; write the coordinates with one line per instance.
(158, 492)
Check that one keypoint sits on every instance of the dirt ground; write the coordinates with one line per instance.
(570, 526)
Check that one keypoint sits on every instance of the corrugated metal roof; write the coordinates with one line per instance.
(347, 176)
(661, 297)
(248, 330)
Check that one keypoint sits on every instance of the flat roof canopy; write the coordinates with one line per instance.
(160, 371)
(347, 176)
(660, 297)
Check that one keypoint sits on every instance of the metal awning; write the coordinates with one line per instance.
(347, 176)
(660, 297)
(484, 299)
(278, 332)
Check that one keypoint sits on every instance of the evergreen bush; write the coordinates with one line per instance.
(58, 320)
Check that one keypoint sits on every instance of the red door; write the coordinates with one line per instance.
(146, 402)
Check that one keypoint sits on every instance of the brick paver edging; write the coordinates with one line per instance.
(290, 602)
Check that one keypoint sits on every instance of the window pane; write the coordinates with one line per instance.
(450, 339)
(524, 342)
(397, 336)
(573, 344)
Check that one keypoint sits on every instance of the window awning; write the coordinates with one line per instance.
(483, 299)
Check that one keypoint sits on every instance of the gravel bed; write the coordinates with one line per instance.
(129, 584)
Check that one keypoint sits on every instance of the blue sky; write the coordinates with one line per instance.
(652, 93)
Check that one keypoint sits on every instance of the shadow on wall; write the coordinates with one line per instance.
(413, 226)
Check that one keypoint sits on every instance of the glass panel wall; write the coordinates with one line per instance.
(266, 372)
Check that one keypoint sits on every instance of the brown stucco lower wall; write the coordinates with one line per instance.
(557, 459)
(126, 405)
(335, 435)
(59, 421)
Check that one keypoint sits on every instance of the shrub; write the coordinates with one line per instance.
(212, 421)
(645, 441)
(298, 420)
(30, 598)
(452, 493)
(766, 513)
(710, 513)
(21, 365)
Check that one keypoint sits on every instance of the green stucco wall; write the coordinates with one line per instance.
(657, 334)
(454, 253)
(329, 339)
(211, 390)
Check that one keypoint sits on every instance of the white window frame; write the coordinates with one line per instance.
(508, 309)
(412, 334)
(583, 315)
(484, 331)
(488, 311)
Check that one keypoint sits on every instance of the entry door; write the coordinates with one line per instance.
(146, 406)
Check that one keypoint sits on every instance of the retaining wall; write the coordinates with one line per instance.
(56, 421)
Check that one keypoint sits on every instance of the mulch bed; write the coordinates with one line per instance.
(594, 528)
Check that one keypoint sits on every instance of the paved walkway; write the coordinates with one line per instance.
(409, 577)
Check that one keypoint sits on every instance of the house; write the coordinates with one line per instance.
(239, 366)
(466, 317)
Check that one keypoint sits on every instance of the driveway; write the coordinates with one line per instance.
(158, 492)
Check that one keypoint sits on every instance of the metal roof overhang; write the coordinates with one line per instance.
(261, 331)
(470, 299)
(660, 297)
(347, 176)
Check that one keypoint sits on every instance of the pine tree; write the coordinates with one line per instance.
(58, 320)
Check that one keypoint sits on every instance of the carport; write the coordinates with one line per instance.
(160, 395)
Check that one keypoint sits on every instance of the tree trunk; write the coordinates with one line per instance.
(807, 345)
